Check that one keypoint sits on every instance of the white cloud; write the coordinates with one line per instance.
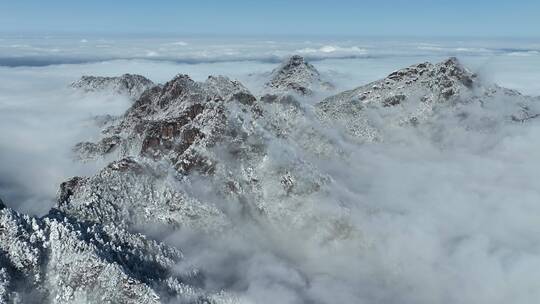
(445, 214)
(525, 53)
(180, 43)
(333, 51)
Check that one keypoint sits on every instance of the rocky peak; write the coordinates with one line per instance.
(296, 60)
(130, 85)
(167, 122)
(453, 68)
(438, 82)
(419, 89)
(180, 83)
(223, 87)
(183, 93)
(180, 88)
(447, 76)
(295, 75)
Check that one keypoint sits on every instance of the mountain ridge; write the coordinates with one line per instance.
(130, 85)
(200, 156)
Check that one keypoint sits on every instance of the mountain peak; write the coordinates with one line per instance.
(295, 75)
(131, 85)
(453, 68)
(418, 90)
(296, 60)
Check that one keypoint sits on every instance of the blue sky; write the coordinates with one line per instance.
(495, 18)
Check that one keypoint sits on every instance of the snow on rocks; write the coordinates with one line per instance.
(128, 84)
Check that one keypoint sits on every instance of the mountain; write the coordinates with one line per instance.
(60, 260)
(211, 159)
(417, 95)
(128, 84)
(295, 75)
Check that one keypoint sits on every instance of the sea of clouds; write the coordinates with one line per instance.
(445, 215)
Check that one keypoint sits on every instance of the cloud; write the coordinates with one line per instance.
(445, 213)
(451, 206)
(333, 49)
(524, 53)
(180, 43)
(41, 119)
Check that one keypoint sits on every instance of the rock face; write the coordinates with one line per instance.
(202, 155)
(128, 84)
(295, 75)
(166, 121)
(90, 150)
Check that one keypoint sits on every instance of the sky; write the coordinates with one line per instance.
(495, 18)
(443, 212)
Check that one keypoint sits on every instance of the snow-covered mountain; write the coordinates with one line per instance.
(295, 75)
(127, 84)
(213, 159)
(419, 94)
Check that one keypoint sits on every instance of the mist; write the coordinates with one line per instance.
(444, 213)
